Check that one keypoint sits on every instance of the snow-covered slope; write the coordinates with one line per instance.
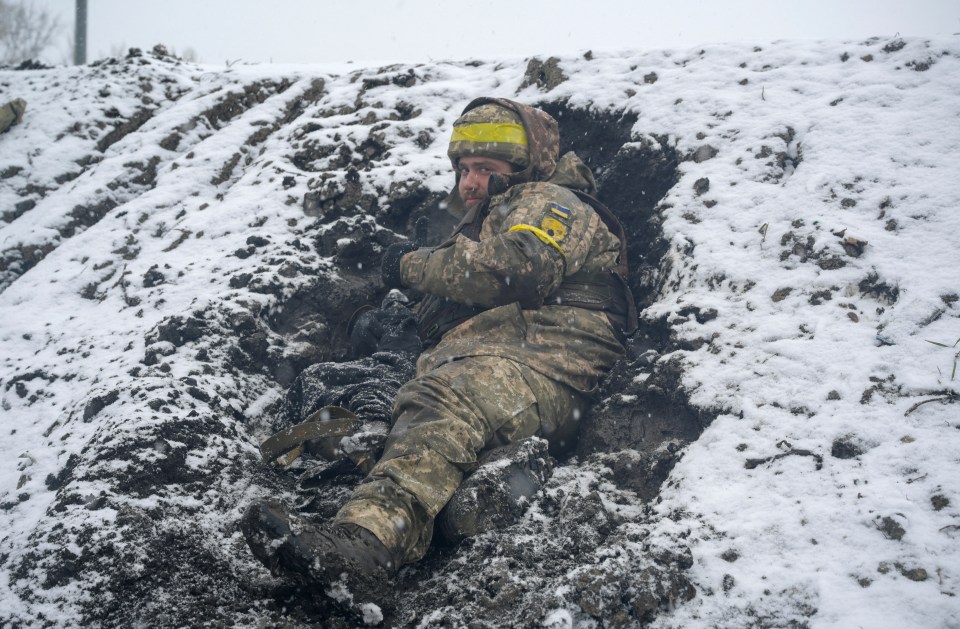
(178, 241)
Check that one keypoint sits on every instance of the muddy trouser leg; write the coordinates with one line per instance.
(445, 418)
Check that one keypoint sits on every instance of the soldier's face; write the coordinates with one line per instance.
(475, 173)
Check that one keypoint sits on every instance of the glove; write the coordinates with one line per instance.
(392, 328)
(390, 264)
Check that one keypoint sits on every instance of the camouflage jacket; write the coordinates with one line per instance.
(533, 238)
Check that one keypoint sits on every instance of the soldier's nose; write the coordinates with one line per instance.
(473, 179)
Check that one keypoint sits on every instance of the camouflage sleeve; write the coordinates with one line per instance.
(534, 242)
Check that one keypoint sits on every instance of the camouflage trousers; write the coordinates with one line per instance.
(444, 419)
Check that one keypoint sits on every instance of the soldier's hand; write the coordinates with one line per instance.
(390, 264)
(420, 231)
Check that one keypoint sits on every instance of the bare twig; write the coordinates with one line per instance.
(753, 463)
(948, 398)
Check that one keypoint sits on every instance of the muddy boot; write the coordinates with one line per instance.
(333, 556)
(498, 493)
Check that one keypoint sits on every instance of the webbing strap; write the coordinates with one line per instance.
(288, 444)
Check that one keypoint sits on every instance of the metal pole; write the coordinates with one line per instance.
(80, 34)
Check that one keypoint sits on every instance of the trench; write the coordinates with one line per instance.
(634, 445)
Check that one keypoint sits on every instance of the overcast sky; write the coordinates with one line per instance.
(311, 31)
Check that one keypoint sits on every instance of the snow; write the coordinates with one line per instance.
(868, 147)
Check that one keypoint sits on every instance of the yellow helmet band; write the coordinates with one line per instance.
(505, 132)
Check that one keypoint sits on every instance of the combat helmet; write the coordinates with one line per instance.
(489, 130)
(526, 137)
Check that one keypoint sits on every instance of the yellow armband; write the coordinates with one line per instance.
(539, 233)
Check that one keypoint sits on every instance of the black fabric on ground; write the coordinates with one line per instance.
(385, 341)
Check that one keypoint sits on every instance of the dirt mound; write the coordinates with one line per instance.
(146, 507)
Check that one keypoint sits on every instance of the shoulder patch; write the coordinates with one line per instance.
(556, 221)
(554, 228)
(560, 212)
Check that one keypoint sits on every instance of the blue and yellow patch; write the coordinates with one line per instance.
(560, 212)
(556, 221)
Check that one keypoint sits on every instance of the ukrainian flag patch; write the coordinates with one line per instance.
(560, 212)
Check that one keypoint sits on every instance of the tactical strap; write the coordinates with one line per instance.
(622, 271)
(604, 292)
(284, 447)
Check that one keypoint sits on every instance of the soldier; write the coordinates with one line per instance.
(525, 310)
